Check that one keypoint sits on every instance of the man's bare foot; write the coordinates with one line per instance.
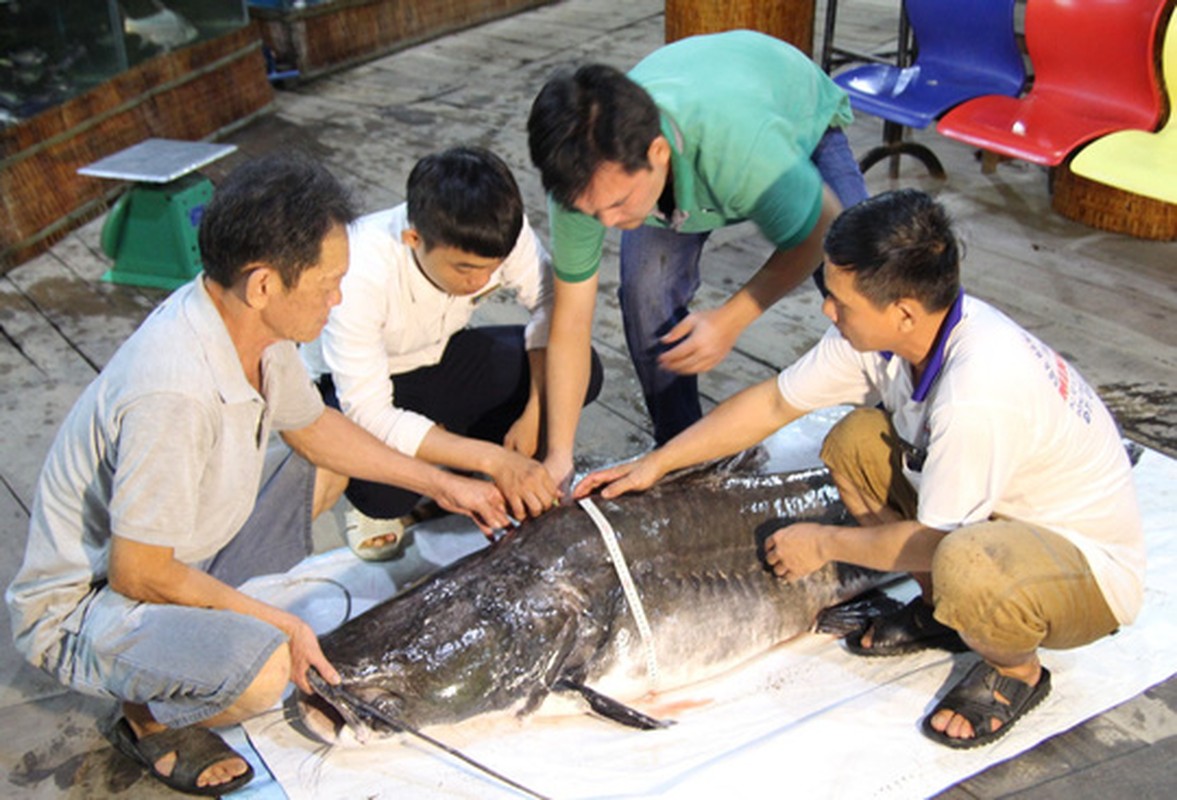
(379, 541)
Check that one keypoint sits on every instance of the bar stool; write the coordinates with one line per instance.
(893, 143)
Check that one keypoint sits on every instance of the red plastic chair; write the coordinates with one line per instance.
(1093, 74)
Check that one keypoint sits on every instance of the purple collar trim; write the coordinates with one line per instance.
(936, 360)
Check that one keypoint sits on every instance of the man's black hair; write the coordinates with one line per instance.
(898, 244)
(582, 119)
(465, 198)
(275, 210)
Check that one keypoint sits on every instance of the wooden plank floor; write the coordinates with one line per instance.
(1106, 301)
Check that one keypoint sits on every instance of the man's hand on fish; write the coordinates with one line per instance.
(632, 476)
(475, 498)
(525, 483)
(796, 550)
(697, 343)
(305, 654)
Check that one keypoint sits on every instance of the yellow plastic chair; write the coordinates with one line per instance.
(1138, 161)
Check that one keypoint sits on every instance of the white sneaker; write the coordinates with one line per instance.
(374, 539)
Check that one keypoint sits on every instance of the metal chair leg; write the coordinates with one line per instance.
(894, 146)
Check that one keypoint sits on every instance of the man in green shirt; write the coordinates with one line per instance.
(703, 133)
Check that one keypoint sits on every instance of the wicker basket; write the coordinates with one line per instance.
(1110, 209)
(193, 93)
(790, 20)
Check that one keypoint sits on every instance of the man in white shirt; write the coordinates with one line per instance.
(978, 460)
(398, 358)
(160, 496)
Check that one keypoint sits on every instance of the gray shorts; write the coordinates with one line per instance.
(189, 664)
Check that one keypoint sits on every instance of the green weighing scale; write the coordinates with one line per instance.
(150, 233)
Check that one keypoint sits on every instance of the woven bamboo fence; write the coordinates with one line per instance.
(328, 36)
(193, 93)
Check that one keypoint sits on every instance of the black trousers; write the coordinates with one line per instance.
(478, 389)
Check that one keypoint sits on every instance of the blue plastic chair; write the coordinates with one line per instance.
(965, 51)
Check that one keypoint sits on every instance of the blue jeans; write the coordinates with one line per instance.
(660, 275)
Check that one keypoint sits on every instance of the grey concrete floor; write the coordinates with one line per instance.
(1103, 300)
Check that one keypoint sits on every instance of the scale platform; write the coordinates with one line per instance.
(151, 231)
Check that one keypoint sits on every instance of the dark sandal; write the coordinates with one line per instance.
(974, 698)
(908, 630)
(196, 750)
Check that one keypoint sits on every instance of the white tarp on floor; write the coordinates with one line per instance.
(807, 718)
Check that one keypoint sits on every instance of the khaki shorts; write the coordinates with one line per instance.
(1006, 586)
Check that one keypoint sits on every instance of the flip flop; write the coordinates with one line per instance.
(908, 630)
(360, 530)
(196, 750)
(974, 698)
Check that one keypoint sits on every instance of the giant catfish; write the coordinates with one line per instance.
(543, 609)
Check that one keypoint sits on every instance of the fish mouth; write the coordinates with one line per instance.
(367, 711)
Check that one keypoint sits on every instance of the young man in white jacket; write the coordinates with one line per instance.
(397, 355)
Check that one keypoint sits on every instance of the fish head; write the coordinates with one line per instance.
(472, 649)
(428, 679)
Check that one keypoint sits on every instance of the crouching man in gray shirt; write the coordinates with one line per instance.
(160, 494)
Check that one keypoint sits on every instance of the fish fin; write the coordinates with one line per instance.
(853, 616)
(565, 641)
(744, 462)
(612, 709)
(533, 702)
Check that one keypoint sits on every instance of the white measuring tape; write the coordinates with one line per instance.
(609, 536)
